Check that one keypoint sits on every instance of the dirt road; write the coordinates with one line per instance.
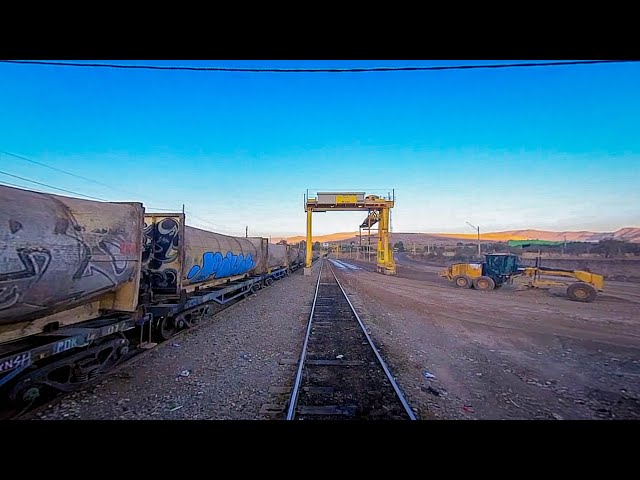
(503, 354)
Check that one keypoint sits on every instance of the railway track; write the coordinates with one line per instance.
(341, 374)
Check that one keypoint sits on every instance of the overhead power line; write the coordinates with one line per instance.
(318, 70)
(134, 195)
(147, 206)
(214, 225)
(9, 184)
(51, 186)
(31, 189)
(66, 173)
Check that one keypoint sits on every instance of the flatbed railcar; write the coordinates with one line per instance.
(84, 284)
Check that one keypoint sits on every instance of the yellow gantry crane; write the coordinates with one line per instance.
(377, 208)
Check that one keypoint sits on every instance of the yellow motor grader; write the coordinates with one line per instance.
(499, 268)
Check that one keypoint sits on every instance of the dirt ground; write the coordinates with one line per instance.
(457, 354)
(503, 354)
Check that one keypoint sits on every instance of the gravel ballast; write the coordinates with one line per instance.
(239, 364)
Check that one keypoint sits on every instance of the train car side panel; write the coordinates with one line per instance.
(213, 257)
(277, 256)
(57, 253)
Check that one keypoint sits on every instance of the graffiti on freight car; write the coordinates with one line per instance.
(34, 263)
(214, 264)
(161, 249)
(20, 360)
(164, 279)
(161, 242)
(11, 367)
(48, 257)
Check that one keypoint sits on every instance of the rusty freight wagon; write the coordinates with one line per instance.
(84, 283)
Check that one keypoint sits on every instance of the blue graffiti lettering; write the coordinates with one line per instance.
(218, 266)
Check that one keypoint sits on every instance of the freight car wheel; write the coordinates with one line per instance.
(268, 281)
(462, 281)
(484, 283)
(166, 328)
(581, 292)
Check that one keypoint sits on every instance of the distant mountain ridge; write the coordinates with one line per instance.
(627, 234)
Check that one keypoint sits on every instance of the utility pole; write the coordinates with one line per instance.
(478, 228)
(390, 220)
(246, 231)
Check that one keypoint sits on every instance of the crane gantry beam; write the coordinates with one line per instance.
(377, 208)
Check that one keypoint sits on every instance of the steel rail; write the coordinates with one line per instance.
(296, 386)
(298, 382)
(375, 350)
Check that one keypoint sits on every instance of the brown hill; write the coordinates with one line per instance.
(627, 234)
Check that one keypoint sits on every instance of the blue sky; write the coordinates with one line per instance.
(553, 148)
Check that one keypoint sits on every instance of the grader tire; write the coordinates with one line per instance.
(462, 281)
(581, 292)
(484, 284)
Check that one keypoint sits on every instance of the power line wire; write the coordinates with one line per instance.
(221, 227)
(319, 70)
(89, 180)
(30, 189)
(82, 178)
(66, 173)
(51, 186)
(147, 206)
(9, 184)
(80, 194)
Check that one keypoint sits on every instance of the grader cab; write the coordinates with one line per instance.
(499, 269)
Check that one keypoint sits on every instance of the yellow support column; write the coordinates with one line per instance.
(307, 264)
(386, 264)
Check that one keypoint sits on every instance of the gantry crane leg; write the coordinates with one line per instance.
(386, 264)
(307, 263)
